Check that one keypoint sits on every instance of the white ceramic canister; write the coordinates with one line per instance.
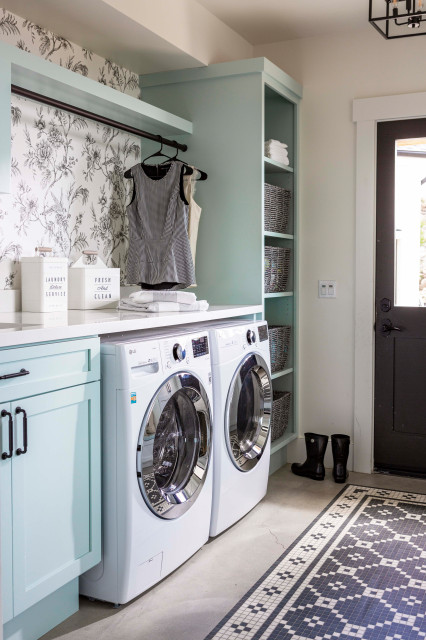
(93, 285)
(44, 282)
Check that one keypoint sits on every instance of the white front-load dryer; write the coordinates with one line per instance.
(157, 450)
(242, 408)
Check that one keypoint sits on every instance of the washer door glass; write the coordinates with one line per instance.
(248, 412)
(174, 446)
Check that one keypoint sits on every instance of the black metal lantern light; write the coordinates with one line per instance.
(398, 18)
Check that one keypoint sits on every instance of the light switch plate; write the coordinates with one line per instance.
(327, 288)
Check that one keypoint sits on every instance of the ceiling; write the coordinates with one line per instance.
(132, 38)
(266, 21)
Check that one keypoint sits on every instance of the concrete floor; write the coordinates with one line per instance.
(189, 603)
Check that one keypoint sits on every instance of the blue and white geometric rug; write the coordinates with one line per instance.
(358, 572)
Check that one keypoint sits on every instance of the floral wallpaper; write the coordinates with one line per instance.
(30, 37)
(68, 190)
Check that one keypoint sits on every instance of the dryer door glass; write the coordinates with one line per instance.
(174, 446)
(248, 412)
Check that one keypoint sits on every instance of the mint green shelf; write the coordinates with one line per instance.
(272, 166)
(282, 442)
(281, 294)
(31, 72)
(274, 234)
(284, 372)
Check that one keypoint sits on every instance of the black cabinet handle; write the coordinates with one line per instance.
(5, 455)
(25, 431)
(22, 372)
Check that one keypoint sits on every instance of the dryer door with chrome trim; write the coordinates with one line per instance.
(174, 446)
(248, 412)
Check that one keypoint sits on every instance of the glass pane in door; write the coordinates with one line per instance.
(410, 223)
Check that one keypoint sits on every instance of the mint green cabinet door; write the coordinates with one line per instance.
(55, 491)
(6, 517)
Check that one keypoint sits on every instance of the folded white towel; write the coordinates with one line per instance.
(279, 157)
(143, 297)
(276, 155)
(159, 307)
(275, 143)
(271, 147)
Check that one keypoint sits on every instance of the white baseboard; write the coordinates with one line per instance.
(296, 452)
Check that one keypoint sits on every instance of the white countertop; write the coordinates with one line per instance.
(27, 328)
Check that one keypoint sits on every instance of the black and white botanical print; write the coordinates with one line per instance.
(67, 185)
(68, 189)
(30, 37)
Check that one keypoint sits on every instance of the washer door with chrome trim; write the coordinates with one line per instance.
(248, 412)
(174, 446)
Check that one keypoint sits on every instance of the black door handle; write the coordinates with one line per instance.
(5, 455)
(22, 372)
(25, 431)
(387, 327)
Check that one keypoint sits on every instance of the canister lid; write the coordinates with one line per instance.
(42, 254)
(89, 260)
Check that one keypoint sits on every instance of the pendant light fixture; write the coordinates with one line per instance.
(398, 18)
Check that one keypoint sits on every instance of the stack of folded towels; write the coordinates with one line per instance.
(158, 301)
(276, 151)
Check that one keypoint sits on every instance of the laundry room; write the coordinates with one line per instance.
(212, 269)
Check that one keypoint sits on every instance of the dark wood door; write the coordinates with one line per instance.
(400, 344)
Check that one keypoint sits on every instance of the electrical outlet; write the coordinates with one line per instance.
(327, 288)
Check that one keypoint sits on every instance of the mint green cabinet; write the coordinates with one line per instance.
(6, 517)
(50, 493)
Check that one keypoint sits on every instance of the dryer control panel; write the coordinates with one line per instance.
(233, 341)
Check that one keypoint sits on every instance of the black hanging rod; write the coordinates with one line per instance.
(32, 95)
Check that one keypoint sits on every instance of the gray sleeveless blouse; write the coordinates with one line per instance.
(159, 251)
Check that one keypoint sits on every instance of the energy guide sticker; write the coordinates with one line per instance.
(133, 397)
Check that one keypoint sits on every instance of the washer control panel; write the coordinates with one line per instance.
(200, 346)
(181, 350)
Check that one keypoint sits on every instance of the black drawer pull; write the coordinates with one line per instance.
(22, 372)
(5, 455)
(25, 430)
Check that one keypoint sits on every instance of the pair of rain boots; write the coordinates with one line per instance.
(313, 467)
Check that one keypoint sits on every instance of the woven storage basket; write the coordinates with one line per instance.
(277, 267)
(277, 208)
(279, 346)
(280, 413)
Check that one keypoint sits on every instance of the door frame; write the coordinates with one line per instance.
(366, 113)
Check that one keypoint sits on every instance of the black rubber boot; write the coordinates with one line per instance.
(313, 467)
(340, 448)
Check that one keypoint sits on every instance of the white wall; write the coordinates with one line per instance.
(189, 26)
(333, 71)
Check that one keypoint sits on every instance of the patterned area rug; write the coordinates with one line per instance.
(358, 572)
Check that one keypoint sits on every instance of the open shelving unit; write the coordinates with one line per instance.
(280, 123)
(235, 108)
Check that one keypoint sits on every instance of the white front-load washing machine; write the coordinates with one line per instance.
(157, 450)
(242, 408)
